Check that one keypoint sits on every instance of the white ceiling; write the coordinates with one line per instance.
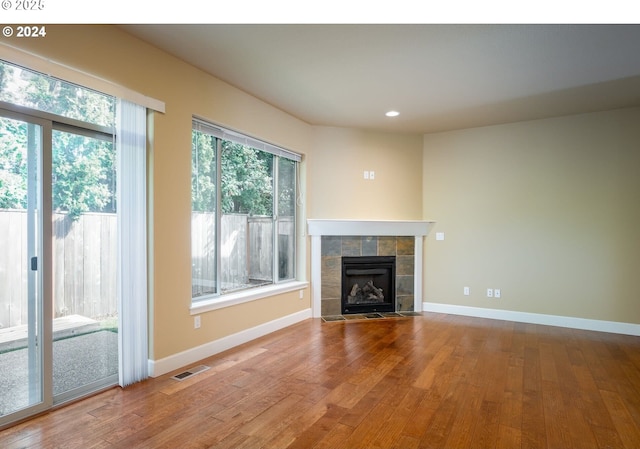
(439, 77)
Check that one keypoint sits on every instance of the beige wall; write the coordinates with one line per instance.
(336, 186)
(547, 211)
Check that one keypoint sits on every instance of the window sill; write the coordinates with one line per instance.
(232, 299)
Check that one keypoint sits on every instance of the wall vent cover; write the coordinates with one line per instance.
(190, 372)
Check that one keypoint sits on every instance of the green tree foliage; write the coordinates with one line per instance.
(247, 181)
(246, 178)
(6, 74)
(13, 189)
(286, 187)
(13, 165)
(66, 99)
(83, 167)
(83, 175)
(203, 172)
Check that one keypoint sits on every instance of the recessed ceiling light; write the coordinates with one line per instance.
(392, 114)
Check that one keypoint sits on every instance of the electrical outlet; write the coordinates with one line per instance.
(366, 174)
(440, 236)
(372, 175)
(496, 293)
(301, 294)
(466, 291)
(196, 322)
(489, 293)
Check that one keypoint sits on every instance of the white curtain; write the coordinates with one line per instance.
(132, 242)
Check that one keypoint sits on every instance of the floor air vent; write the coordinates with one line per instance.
(190, 372)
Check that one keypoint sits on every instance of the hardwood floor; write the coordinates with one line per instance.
(429, 381)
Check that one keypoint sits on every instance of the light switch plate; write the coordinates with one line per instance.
(439, 235)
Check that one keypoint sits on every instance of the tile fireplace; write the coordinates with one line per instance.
(333, 241)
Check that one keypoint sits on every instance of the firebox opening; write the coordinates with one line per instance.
(368, 284)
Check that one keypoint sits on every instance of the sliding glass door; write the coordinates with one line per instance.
(73, 267)
(58, 263)
(23, 362)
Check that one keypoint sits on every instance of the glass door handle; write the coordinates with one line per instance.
(34, 264)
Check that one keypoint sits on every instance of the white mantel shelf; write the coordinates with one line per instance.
(318, 228)
(369, 227)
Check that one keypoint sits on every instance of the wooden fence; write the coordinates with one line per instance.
(84, 266)
(85, 260)
(85, 263)
(246, 251)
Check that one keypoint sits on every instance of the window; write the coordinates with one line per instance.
(243, 197)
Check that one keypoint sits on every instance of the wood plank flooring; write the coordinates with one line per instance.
(430, 381)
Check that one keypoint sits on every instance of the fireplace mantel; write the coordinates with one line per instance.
(318, 228)
(369, 227)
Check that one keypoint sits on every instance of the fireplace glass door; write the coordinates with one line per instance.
(368, 284)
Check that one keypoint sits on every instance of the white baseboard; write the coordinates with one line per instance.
(535, 318)
(190, 356)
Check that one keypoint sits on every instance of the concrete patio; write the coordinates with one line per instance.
(83, 352)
